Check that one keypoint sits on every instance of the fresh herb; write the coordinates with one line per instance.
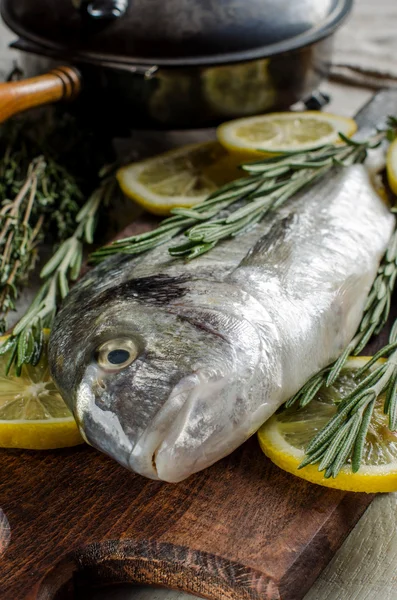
(18, 240)
(376, 313)
(37, 196)
(48, 167)
(343, 437)
(26, 341)
(271, 183)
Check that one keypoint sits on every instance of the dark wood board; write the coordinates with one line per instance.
(241, 529)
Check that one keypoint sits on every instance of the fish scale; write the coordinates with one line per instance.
(221, 341)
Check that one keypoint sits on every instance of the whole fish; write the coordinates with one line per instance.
(169, 366)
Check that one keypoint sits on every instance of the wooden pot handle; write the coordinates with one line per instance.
(62, 83)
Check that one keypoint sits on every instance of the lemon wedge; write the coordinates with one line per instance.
(285, 435)
(181, 177)
(280, 132)
(391, 166)
(32, 413)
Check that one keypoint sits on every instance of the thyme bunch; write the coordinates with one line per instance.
(25, 344)
(48, 168)
(38, 197)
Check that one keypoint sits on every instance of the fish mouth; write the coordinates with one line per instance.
(102, 429)
(183, 438)
(144, 456)
(192, 430)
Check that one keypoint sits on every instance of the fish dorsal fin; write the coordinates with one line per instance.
(273, 242)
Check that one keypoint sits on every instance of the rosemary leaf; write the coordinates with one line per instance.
(12, 357)
(6, 346)
(347, 446)
(312, 391)
(385, 351)
(390, 406)
(334, 447)
(360, 438)
(314, 458)
(29, 348)
(328, 431)
(26, 340)
(272, 182)
(338, 365)
(362, 388)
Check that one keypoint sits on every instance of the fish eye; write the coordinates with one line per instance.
(115, 355)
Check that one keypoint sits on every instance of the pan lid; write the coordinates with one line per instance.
(173, 32)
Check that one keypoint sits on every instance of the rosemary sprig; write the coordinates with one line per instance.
(343, 437)
(26, 341)
(38, 197)
(376, 313)
(18, 239)
(271, 183)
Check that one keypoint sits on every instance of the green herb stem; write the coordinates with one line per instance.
(271, 182)
(375, 315)
(62, 268)
(354, 412)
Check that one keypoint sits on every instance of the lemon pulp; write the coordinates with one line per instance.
(181, 177)
(32, 412)
(284, 437)
(278, 132)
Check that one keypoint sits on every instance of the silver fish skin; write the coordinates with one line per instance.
(169, 366)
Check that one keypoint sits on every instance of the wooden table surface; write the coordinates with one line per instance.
(365, 567)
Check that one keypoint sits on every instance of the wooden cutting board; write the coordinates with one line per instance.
(240, 529)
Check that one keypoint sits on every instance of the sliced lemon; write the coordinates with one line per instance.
(181, 177)
(391, 166)
(32, 412)
(284, 437)
(280, 132)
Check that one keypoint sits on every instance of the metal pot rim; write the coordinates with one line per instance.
(334, 19)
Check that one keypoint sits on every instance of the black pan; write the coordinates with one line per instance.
(174, 64)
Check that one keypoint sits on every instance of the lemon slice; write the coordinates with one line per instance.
(181, 177)
(286, 434)
(280, 132)
(391, 166)
(32, 412)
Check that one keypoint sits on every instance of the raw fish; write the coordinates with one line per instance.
(169, 366)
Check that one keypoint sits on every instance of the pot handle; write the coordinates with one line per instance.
(102, 10)
(62, 83)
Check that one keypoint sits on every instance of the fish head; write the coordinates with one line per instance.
(158, 385)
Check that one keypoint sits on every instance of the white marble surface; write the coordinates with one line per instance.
(365, 568)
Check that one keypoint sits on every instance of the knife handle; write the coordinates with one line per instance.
(62, 83)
